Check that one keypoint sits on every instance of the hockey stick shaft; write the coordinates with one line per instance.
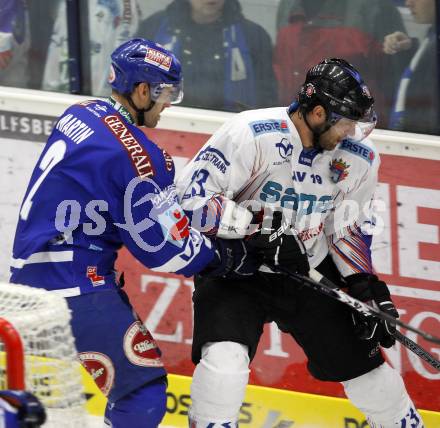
(321, 284)
(333, 291)
(408, 343)
(418, 350)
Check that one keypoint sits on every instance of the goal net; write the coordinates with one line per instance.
(51, 369)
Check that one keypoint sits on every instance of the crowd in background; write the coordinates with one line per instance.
(232, 62)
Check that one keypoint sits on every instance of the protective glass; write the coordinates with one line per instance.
(166, 93)
(354, 130)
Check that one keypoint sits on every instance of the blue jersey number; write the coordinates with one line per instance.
(54, 154)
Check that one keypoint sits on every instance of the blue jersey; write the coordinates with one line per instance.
(100, 183)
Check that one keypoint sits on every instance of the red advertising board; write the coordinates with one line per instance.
(407, 256)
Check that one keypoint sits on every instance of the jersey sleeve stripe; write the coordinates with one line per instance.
(43, 257)
(354, 250)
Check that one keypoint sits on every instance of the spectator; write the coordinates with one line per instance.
(14, 43)
(110, 23)
(225, 57)
(283, 12)
(351, 29)
(41, 20)
(416, 107)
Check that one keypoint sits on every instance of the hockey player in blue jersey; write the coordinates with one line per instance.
(100, 183)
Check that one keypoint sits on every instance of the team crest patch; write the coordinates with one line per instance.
(180, 229)
(158, 58)
(92, 274)
(100, 367)
(140, 347)
(309, 90)
(338, 170)
(174, 224)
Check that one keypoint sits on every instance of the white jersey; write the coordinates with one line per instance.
(110, 23)
(258, 156)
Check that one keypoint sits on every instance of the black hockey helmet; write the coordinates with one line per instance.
(338, 87)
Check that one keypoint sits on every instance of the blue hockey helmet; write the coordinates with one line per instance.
(141, 60)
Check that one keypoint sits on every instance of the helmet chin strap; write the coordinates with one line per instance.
(140, 119)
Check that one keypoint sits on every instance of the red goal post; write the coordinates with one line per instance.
(14, 355)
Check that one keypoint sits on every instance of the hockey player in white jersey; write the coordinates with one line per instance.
(314, 162)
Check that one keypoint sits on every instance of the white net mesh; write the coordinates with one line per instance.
(52, 371)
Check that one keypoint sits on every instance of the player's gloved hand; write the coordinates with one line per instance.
(232, 259)
(369, 289)
(278, 246)
(21, 409)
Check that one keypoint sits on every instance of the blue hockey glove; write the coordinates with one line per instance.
(20, 409)
(278, 246)
(232, 259)
(369, 289)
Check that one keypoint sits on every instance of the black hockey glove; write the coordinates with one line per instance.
(232, 260)
(276, 244)
(369, 289)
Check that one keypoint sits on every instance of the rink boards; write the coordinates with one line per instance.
(406, 254)
(264, 408)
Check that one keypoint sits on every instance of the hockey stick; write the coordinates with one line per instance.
(323, 285)
(418, 350)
